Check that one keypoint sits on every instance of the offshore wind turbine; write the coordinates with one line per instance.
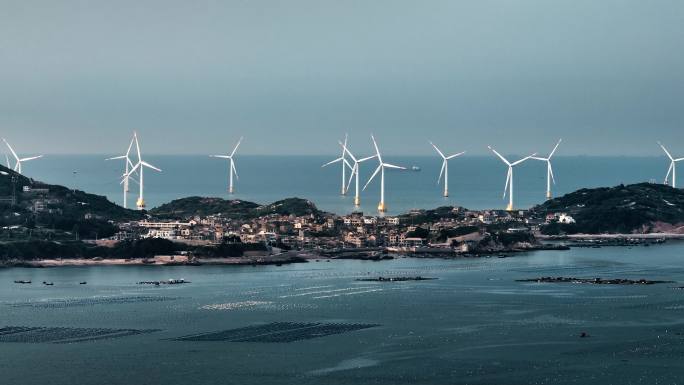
(549, 170)
(355, 172)
(342, 159)
(140, 167)
(128, 167)
(445, 168)
(381, 169)
(673, 166)
(509, 177)
(231, 169)
(17, 165)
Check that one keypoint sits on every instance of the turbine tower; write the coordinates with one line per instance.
(345, 164)
(231, 169)
(140, 167)
(129, 166)
(381, 169)
(17, 165)
(549, 170)
(355, 172)
(509, 177)
(445, 168)
(673, 166)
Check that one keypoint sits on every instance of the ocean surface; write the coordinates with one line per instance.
(314, 323)
(476, 182)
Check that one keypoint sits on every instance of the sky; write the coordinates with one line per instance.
(293, 76)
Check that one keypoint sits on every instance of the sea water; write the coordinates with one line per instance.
(474, 324)
(475, 182)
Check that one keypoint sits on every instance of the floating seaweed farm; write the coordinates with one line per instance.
(62, 335)
(277, 332)
(91, 301)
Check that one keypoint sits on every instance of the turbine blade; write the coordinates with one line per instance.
(377, 150)
(11, 149)
(150, 166)
(523, 159)
(553, 179)
(365, 159)
(441, 171)
(388, 165)
(351, 177)
(539, 158)
(30, 158)
(117, 157)
(377, 170)
(679, 159)
(665, 149)
(236, 147)
(439, 152)
(232, 167)
(555, 148)
(508, 178)
(130, 146)
(669, 171)
(455, 155)
(345, 149)
(220, 156)
(347, 163)
(332, 161)
(499, 155)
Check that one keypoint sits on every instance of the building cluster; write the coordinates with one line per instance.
(330, 231)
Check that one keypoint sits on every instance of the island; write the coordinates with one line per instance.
(43, 225)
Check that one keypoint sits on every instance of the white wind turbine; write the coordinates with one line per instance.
(140, 167)
(381, 169)
(445, 168)
(509, 177)
(231, 169)
(127, 174)
(355, 172)
(17, 165)
(549, 170)
(345, 164)
(673, 166)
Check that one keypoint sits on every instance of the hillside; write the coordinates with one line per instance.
(40, 205)
(637, 208)
(234, 209)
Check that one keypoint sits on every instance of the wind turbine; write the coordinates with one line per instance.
(345, 164)
(17, 166)
(549, 170)
(355, 172)
(127, 173)
(509, 177)
(445, 168)
(673, 166)
(140, 167)
(231, 170)
(381, 169)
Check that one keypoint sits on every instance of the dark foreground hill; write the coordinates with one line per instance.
(233, 209)
(637, 208)
(36, 205)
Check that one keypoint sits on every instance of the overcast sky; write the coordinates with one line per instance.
(293, 75)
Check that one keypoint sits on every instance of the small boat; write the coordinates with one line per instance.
(415, 168)
(48, 283)
(83, 283)
(23, 282)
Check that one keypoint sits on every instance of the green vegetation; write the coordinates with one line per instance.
(233, 209)
(455, 232)
(621, 209)
(56, 211)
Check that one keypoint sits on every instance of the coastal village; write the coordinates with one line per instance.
(451, 229)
